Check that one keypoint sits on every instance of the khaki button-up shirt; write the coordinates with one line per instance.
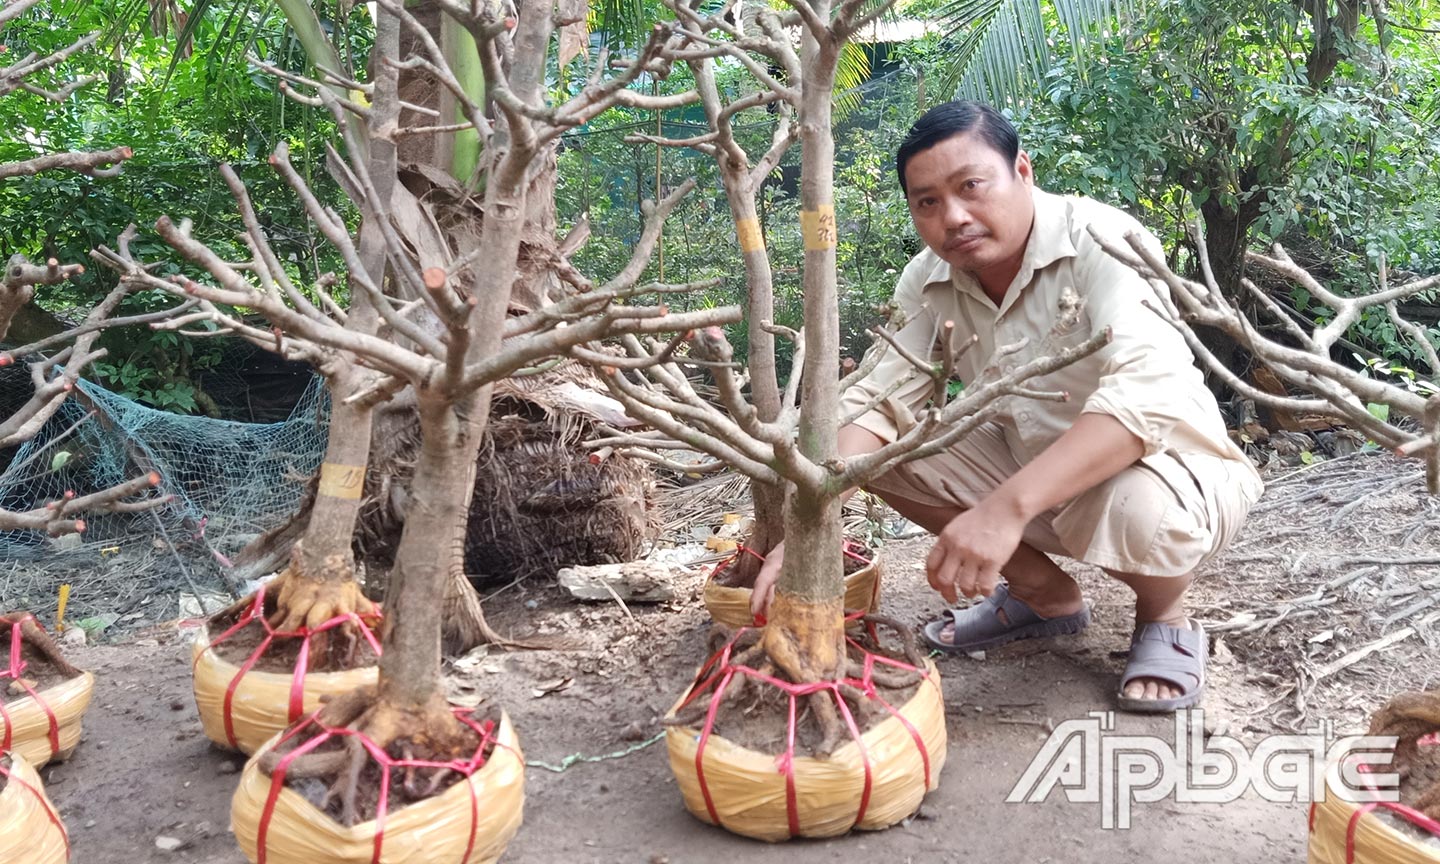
(1146, 377)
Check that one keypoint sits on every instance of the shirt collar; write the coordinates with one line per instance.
(1049, 242)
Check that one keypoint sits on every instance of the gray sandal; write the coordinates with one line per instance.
(980, 627)
(1173, 654)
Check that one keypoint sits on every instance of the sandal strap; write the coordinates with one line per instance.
(991, 624)
(1172, 654)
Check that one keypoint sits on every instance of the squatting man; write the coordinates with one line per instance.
(1134, 473)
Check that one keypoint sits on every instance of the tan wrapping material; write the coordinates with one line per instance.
(748, 790)
(731, 606)
(1375, 841)
(261, 705)
(434, 831)
(30, 725)
(27, 836)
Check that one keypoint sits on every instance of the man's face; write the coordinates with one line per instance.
(971, 206)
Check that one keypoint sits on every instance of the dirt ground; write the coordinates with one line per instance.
(1286, 630)
(145, 771)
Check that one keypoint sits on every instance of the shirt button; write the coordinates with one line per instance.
(1024, 416)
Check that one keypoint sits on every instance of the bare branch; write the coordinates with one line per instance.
(939, 429)
(92, 164)
(96, 326)
(709, 467)
(60, 517)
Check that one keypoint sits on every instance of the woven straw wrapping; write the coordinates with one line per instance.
(434, 831)
(261, 704)
(27, 836)
(30, 725)
(731, 606)
(748, 789)
(1375, 842)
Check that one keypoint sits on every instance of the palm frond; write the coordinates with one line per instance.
(1003, 47)
(851, 74)
(620, 22)
(186, 35)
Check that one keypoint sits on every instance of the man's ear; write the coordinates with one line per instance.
(1024, 168)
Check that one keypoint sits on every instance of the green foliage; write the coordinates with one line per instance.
(1002, 48)
(182, 115)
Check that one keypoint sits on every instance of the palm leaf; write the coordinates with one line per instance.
(184, 38)
(851, 74)
(620, 22)
(1003, 48)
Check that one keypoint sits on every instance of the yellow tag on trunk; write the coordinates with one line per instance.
(751, 240)
(342, 481)
(60, 608)
(818, 228)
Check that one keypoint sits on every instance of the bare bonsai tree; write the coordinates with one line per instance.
(320, 582)
(467, 288)
(1302, 359)
(54, 376)
(796, 449)
(742, 175)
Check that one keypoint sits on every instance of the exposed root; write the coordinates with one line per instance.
(852, 683)
(431, 733)
(310, 602)
(297, 601)
(1410, 717)
(908, 643)
(884, 675)
(38, 639)
(312, 765)
(831, 729)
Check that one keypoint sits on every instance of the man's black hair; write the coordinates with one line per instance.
(956, 118)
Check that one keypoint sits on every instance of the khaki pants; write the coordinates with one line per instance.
(1163, 516)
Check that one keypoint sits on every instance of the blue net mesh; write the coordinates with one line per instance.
(230, 480)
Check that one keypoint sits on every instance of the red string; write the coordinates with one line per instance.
(14, 670)
(256, 612)
(1409, 814)
(49, 811)
(719, 667)
(465, 767)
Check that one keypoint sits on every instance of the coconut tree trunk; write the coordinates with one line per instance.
(805, 634)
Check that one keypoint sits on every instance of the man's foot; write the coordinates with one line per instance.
(1166, 670)
(998, 619)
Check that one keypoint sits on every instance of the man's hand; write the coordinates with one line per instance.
(970, 551)
(765, 581)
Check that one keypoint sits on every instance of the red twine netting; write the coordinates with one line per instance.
(850, 549)
(13, 671)
(722, 671)
(256, 612)
(1409, 814)
(39, 796)
(463, 767)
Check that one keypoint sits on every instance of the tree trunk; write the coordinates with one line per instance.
(410, 664)
(805, 635)
(769, 500)
(805, 631)
(320, 581)
(1227, 234)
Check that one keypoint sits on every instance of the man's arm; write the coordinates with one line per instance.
(974, 546)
